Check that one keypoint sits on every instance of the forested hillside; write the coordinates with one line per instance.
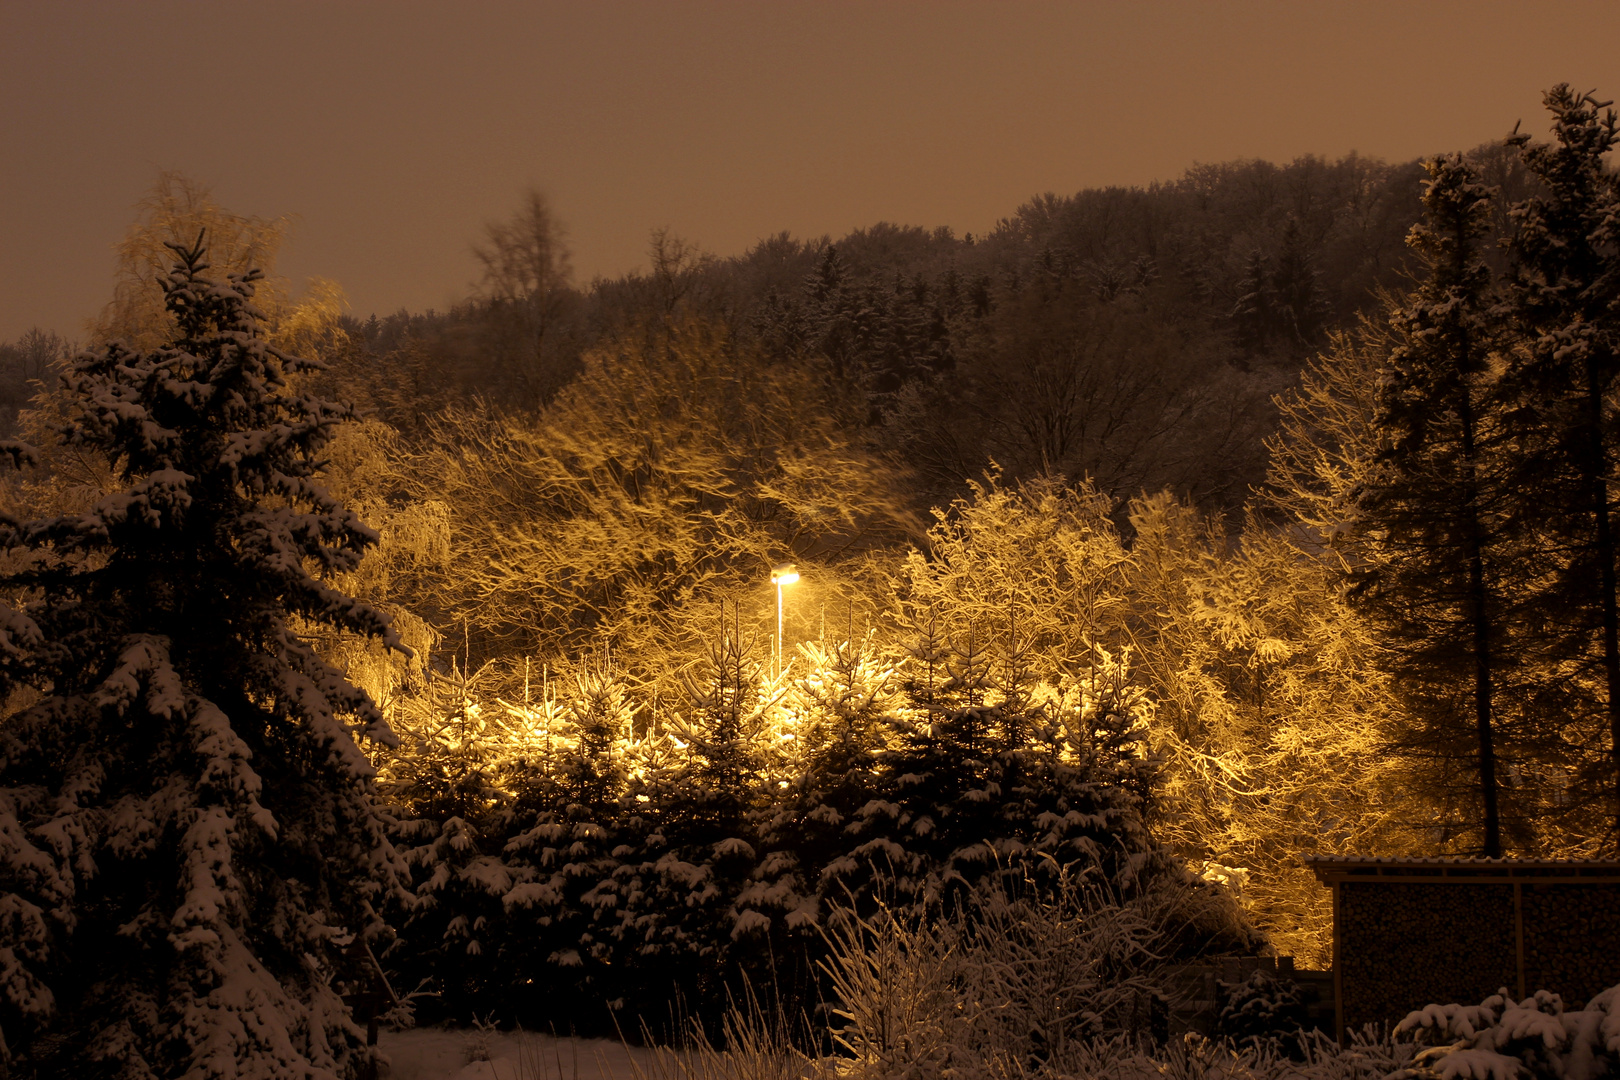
(1128, 335)
(1133, 336)
(1156, 539)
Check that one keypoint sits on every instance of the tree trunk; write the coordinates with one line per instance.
(1480, 617)
(1598, 481)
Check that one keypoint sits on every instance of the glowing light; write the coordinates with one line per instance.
(781, 574)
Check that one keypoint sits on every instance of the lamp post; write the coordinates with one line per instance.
(785, 574)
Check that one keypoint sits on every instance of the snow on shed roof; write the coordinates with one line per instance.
(1331, 868)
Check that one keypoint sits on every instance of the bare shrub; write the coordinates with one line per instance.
(1016, 980)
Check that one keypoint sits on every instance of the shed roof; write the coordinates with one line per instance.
(1331, 868)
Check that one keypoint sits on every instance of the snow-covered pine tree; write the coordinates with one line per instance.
(189, 835)
(995, 773)
(1094, 746)
(569, 900)
(842, 703)
(1560, 390)
(649, 948)
(449, 787)
(452, 748)
(932, 820)
(685, 864)
(957, 776)
(1432, 502)
(726, 713)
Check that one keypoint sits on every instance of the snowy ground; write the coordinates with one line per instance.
(442, 1054)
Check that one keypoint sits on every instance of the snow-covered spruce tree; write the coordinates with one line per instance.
(449, 787)
(1534, 1038)
(1559, 390)
(567, 901)
(688, 896)
(842, 703)
(711, 825)
(993, 773)
(1432, 503)
(1262, 1011)
(649, 949)
(188, 839)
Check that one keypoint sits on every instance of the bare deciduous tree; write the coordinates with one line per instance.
(524, 258)
(671, 472)
(525, 283)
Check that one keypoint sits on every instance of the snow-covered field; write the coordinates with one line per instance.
(442, 1054)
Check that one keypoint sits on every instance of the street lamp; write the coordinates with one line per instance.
(785, 574)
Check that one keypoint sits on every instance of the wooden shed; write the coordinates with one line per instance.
(1413, 932)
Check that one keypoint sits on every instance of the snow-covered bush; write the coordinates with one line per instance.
(188, 838)
(1262, 1010)
(1501, 1039)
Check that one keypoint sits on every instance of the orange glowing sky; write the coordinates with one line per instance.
(393, 130)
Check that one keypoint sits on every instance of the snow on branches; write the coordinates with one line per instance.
(187, 832)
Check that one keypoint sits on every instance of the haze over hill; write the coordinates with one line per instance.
(392, 133)
(1131, 335)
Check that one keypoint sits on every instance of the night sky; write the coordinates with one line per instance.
(393, 131)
